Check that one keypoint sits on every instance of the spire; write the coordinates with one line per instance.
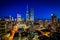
(27, 8)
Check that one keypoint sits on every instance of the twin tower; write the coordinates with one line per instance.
(29, 14)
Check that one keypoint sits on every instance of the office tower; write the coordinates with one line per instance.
(31, 17)
(19, 20)
(10, 17)
(27, 17)
(54, 19)
(18, 17)
(46, 23)
(54, 22)
(27, 14)
(2, 26)
(58, 27)
(15, 19)
(41, 23)
(58, 22)
(31, 12)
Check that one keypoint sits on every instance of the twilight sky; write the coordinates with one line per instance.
(42, 8)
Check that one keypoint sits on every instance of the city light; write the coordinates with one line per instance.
(24, 22)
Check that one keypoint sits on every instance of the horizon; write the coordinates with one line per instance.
(42, 8)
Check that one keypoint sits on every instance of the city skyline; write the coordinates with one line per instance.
(42, 9)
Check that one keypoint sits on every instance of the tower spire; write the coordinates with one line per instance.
(27, 13)
(27, 8)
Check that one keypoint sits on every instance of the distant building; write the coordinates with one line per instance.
(31, 11)
(46, 22)
(15, 19)
(2, 26)
(18, 17)
(54, 23)
(27, 17)
(27, 14)
(54, 19)
(58, 22)
(10, 18)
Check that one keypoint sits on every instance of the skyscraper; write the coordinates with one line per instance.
(10, 18)
(54, 22)
(54, 19)
(31, 12)
(18, 17)
(27, 14)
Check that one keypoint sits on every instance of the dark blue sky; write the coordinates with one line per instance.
(42, 8)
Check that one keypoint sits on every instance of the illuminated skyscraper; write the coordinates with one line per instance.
(15, 19)
(31, 14)
(54, 19)
(27, 14)
(18, 17)
(54, 22)
(10, 18)
(18, 20)
(27, 17)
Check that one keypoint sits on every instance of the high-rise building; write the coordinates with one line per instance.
(58, 22)
(31, 12)
(54, 22)
(15, 19)
(18, 17)
(54, 19)
(19, 20)
(10, 18)
(46, 23)
(2, 26)
(27, 17)
(27, 14)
